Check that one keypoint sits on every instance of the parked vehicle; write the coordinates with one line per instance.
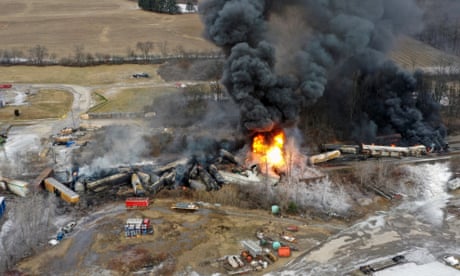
(69, 227)
(2, 206)
(141, 75)
(185, 206)
(288, 237)
(53, 242)
(451, 260)
(5, 86)
(292, 228)
(235, 261)
(381, 265)
(60, 235)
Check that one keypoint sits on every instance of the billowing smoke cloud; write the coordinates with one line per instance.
(118, 145)
(239, 27)
(336, 51)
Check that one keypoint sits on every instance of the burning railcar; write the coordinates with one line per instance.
(393, 151)
(268, 150)
(336, 73)
(371, 150)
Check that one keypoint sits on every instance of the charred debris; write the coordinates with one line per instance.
(204, 169)
(178, 174)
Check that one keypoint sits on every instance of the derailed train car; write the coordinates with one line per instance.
(137, 185)
(377, 150)
(56, 187)
(393, 151)
(323, 157)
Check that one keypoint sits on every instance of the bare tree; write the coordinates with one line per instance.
(130, 53)
(53, 58)
(80, 57)
(90, 58)
(38, 53)
(11, 56)
(145, 47)
(30, 223)
(163, 46)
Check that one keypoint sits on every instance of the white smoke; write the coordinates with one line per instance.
(426, 188)
(119, 146)
(323, 194)
(326, 196)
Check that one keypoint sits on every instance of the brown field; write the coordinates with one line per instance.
(103, 26)
(113, 26)
(138, 98)
(86, 76)
(412, 54)
(45, 104)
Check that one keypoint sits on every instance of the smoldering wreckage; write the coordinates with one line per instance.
(262, 166)
(270, 98)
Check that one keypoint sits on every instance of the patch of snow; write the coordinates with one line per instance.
(412, 269)
(453, 184)
(428, 191)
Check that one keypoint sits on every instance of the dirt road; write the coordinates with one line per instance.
(192, 241)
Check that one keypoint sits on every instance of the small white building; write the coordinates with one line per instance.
(185, 8)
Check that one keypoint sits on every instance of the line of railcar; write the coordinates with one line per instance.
(61, 190)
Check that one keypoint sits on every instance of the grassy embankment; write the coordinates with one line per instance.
(45, 104)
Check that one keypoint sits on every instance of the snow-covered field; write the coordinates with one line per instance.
(418, 229)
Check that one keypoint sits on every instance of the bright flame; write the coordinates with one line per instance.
(269, 150)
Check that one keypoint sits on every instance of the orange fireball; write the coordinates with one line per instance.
(268, 149)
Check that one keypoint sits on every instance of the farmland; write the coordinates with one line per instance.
(96, 75)
(114, 27)
(106, 26)
(412, 54)
(42, 105)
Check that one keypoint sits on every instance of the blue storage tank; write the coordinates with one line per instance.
(69, 143)
(60, 236)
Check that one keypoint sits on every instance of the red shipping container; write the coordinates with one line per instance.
(4, 86)
(284, 251)
(137, 202)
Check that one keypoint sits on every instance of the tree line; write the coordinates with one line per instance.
(31, 221)
(163, 6)
(443, 35)
(441, 27)
(39, 55)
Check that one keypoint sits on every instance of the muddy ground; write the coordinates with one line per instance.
(181, 242)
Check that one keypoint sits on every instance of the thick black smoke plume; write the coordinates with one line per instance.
(328, 51)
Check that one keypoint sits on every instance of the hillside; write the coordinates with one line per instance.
(412, 54)
(113, 27)
(105, 26)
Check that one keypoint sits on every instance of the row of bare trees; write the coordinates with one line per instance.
(443, 35)
(29, 224)
(441, 25)
(143, 53)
